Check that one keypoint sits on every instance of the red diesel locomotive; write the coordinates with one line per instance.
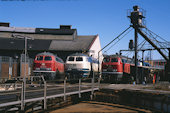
(49, 65)
(115, 67)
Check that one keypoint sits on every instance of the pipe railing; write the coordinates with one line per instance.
(83, 85)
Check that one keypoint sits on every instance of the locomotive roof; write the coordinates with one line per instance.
(78, 54)
(115, 55)
(47, 53)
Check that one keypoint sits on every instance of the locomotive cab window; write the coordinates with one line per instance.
(39, 58)
(59, 60)
(48, 58)
(71, 59)
(79, 59)
(114, 60)
(124, 61)
(129, 61)
(106, 60)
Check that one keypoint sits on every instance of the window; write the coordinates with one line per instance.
(39, 58)
(114, 60)
(129, 61)
(71, 59)
(79, 59)
(124, 61)
(48, 58)
(106, 59)
(59, 60)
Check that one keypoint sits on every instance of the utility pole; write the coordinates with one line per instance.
(25, 60)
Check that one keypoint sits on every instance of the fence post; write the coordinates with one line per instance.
(15, 86)
(79, 88)
(64, 89)
(99, 82)
(22, 97)
(10, 68)
(45, 95)
(31, 80)
(92, 91)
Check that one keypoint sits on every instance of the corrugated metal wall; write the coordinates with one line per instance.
(28, 64)
(10, 67)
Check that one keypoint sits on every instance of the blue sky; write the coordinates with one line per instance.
(108, 18)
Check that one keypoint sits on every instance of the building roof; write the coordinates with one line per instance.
(63, 30)
(63, 39)
(82, 43)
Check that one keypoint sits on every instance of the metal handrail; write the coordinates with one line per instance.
(24, 100)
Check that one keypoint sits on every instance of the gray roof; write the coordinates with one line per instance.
(80, 43)
(17, 29)
(39, 30)
(62, 39)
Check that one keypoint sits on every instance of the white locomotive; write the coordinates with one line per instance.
(80, 65)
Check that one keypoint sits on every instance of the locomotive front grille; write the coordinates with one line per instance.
(74, 66)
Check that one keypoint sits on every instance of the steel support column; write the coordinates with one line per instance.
(136, 55)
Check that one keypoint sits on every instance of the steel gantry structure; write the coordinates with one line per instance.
(136, 16)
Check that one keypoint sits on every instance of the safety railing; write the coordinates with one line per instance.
(37, 89)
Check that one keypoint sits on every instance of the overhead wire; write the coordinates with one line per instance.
(118, 40)
(161, 44)
(112, 41)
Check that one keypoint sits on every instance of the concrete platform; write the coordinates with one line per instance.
(155, 97)
(160, 88)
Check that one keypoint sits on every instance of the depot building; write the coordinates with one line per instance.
(62, 41)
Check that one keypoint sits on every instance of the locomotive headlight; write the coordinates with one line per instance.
(114, 70)
(104, 69)
(48, 69)
(69, 69)
(37, 69)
